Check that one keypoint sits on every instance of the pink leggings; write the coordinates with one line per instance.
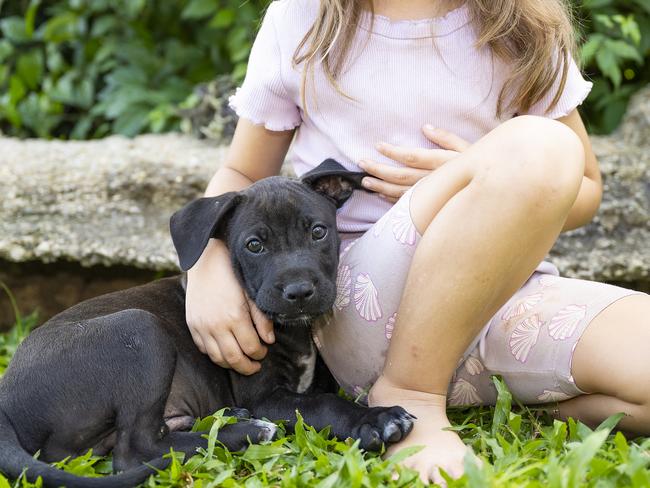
(529, 341)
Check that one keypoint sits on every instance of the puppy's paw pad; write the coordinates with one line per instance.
(383, 425)
(267, 430)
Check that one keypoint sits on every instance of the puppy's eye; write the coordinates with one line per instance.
(255, 246)
(318, 232)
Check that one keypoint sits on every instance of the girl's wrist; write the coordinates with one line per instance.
(214, 254)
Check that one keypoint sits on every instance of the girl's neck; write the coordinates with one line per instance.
(414, 9)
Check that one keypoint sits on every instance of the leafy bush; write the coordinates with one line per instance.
(87, 68)
(615, 54)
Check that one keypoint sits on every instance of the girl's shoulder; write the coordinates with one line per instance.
(289, 21)
(292, 13)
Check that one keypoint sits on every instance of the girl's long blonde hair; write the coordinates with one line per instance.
(534, 37)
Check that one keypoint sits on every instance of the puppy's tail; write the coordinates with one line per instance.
(14, 460)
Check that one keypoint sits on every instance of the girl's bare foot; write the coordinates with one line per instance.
(443, 449)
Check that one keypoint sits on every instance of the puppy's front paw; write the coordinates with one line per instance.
(382, 425)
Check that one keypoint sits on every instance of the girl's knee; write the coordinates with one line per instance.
(537, 160)
(548, 145)
(533, 164)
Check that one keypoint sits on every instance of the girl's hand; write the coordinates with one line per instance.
(225, 324)
(392, 182)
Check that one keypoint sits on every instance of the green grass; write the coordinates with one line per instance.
(520, 447)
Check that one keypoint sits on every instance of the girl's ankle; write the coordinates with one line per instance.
(386, 393)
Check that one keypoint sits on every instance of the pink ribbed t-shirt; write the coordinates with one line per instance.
(400, 75)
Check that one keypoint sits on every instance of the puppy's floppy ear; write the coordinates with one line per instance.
(332, 180)
(194, 224)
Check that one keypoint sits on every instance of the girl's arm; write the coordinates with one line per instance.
(591, 190)
(255, 153)
(224, 323)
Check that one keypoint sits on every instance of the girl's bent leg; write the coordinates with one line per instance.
(483, 234)
(611, 361)
(482, 244)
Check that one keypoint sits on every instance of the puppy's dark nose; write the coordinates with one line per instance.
(299, 292)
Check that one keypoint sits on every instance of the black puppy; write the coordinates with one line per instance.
(120, 372)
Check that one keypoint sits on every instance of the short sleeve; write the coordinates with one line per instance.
(575, 91)
(262, 98)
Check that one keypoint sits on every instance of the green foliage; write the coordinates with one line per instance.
(616, 54)
(519, 447)
(87, 68)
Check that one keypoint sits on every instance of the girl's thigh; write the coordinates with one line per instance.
(371, 276)
(531, 341)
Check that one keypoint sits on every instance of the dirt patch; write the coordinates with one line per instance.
(51, 288)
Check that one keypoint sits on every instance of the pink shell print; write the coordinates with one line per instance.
(474, 366)
(366, 298)
(553, 396)
(547, 280)
(464, 393)
(564, 323)
(378, 228)
(524, 337)
(403, 228)
(390, 325)
(522, 306)
(343, 288)
(317, 341)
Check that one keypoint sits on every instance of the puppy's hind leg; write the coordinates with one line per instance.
(235, 437)
(142, 434)
(146, 359)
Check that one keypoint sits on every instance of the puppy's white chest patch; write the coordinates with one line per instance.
(308, 364)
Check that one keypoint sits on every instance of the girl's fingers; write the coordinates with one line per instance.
(388, 190)
(262, 323)
(417, 157)
(445, 139)
(393, 174)
(235, 357)
(249, 342)
(214, 353)
(198, 341)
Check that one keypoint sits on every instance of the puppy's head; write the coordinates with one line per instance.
(282, 238)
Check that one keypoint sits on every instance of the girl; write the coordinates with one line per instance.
(450, 274)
